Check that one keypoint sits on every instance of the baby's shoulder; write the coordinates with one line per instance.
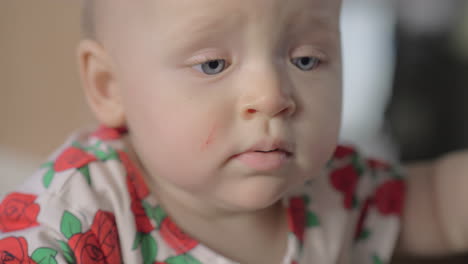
(86, 174)
(71, 201)
(357, 201)
(358, 179)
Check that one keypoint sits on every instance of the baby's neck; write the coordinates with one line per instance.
(254, 237)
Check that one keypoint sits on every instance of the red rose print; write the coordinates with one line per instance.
(362, 217)
(176, 238)
(86, 248)
(377, 164)
(348, 200)
(14, 250)
(108, 133)
(343, 152)
(297, 217)
(100, 244)
(105, 228)
(135, 176)
(390, 196)
(345, 180)
(142, 221)
(137, 190)
(18, 211)
(72, 158)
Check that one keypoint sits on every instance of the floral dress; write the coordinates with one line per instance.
(90, 204)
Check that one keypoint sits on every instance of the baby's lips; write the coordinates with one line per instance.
(268, 154)
(268, 145)
(263, 161)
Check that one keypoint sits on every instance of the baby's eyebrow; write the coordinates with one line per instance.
(311, 24)
(202, 24)
(200, 28)
(312, 19)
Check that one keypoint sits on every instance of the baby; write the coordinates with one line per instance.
(218, 144)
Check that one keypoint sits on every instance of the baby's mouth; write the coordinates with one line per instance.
(266, 151)
(274, 150)
(264, 160)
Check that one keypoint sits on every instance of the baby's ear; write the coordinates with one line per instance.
(99, 83)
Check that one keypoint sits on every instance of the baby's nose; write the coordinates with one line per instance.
(267, 94)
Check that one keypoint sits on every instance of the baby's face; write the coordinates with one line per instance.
(230, 102)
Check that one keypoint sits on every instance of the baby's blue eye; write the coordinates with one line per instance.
(306, 63)
(212, 67)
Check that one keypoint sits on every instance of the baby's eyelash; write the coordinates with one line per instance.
(204, 59)
(207, 58)
(318, 55)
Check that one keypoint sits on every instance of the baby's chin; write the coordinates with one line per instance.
(256, 193)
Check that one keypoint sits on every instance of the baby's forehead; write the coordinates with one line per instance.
(112, 14)
(151, 7)
(214, 8)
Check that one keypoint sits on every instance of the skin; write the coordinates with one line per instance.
(435, 216)
(211, 137)
(143, 71)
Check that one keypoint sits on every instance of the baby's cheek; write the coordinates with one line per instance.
(191, 137)
(185, 143)
(210, 138)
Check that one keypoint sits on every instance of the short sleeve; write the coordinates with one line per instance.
(22, 238)
(59, 235)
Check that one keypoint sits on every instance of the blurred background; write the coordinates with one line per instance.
(405, 78)
(40, 96)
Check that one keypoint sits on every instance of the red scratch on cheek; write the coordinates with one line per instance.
(210, 138)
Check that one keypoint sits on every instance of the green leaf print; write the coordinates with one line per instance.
(158, 215)
(85, 171)
(70, 225)
(377, 260)
(149, 249)
(357, 163)
(182, 259)
(111, 155)
(312, 219)
(137, 241)
(49, 164)
(365, 234)
(48, 177)
(148, 208)
(100, 154)
(355, 202)
(44, 256)
(77, 144)
(98, 144)
(67, 252)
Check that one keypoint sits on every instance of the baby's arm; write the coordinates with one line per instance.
(435, 219)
